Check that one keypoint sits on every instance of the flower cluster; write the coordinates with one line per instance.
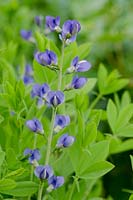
(52, 99)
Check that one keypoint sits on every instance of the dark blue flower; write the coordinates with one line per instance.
(78, 82)
(38, 20)
(46, 58)
(65, 141)
(40, 90)
(35, 126)
(27, 35)
(69, 31)
(55, 182)
(52, 23)
(61, 121)
(33, 155)
(43, 172)
(55, 98)
(79, 66)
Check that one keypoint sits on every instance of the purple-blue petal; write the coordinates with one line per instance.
(52, 22)
(43, 172)
(83, 66)
(34, 125)
(38, 20)
(55, 97)
(27, 151)
(78, 82)
(65, 141)
(62, 120)
(28, 79)
(26, 34)
(35, 90)
(75, 61)
(56, 181)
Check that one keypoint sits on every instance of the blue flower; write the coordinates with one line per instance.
(47, 58)
(27, 35)
(27, 78)
(78, 82)
(61, 121)
(35, 126)
(65, 141)
(43, 172)
(38, 20)
(69, 31)
(52, 23)
(55, 98)
(79, 66)
(33, 155)
(40, 90)
(55, 182)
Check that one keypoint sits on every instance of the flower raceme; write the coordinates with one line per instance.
(65, 141)
(43, 172)
(79, 66)
(61, 121)
(33, 155)
(53, 23)
(47, 58)
(35, 126)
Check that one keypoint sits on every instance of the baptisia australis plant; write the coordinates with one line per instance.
(53, 99)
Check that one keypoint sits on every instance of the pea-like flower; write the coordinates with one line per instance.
(33, 155)
(53, 23)
(47, 58)
(35, 126)
(69, 31)
(40, 90)
(79, 66)
(27, 35)
(65, 141)
(55, 182)
(61, 121)
(78, 82)
(55, 98)
(43, 172)
(38, 20)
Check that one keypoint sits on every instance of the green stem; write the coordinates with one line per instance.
(72, 190)
(39, 197)
(61, 66)
(50, 137)
(32, 167)
(95, 101)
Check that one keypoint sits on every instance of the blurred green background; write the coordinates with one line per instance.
(106, 24)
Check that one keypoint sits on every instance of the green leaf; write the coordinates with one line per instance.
(112, 114)
(124, 116)
(126, 99)
(102, 77)
(22, 189)
(97, 170)
(41, 41)
(15, 173)
(84, 50)
(2, 156)
(126, 131)
(7, 184)
(131, 157)
(90, 133)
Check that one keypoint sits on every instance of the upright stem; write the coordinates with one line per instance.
(50, 136)
(61, 66)
(72, 190)
(32, 167)
(48, 151)
(95, 101)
